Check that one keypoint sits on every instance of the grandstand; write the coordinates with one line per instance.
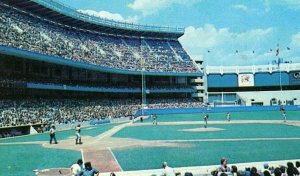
(50, 38)
(46, 57)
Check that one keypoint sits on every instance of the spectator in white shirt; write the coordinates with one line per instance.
(76, 168)
(168, 171)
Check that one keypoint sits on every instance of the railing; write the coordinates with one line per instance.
(62, 8)
(81, 88)
(104, 89)
(283, 67)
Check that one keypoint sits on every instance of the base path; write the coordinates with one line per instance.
(104, 160)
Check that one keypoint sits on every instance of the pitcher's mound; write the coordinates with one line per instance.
(202, 129)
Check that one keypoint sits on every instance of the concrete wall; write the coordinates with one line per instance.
(214, 110)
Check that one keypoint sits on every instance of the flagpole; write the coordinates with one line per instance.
(280, 77)
(279, 62)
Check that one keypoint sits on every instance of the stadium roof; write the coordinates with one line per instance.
(62, 14)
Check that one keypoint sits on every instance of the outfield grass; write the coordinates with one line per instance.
(231, 131)
(269, 115)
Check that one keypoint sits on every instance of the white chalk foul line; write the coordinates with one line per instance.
(229, 140)
(115, 158)
(82, 157)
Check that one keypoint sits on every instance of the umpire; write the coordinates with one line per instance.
(52, 135)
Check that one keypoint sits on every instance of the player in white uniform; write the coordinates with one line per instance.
(228, 116)
(205, 118)
(154, 117)
(77, 133)
(284, 116)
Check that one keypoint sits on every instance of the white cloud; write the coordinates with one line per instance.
(241, 7)
(204, 37)
(256, 35)
(222, 45)
(110, 16)
(149, 7)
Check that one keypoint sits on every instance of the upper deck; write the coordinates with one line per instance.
(64, 15)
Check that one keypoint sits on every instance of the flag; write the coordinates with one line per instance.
(277, 51)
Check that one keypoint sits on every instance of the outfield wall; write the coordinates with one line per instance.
(214, 110)
(265, 98)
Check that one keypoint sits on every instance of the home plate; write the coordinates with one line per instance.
(202, 129)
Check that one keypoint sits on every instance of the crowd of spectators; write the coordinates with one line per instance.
(48, 111)
(289, 170)
(36, 111)
(174, 103)
(223, 170)
(24, 31)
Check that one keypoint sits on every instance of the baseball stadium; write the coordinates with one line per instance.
(86, 95)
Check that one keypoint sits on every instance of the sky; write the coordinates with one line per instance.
(222, 32)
